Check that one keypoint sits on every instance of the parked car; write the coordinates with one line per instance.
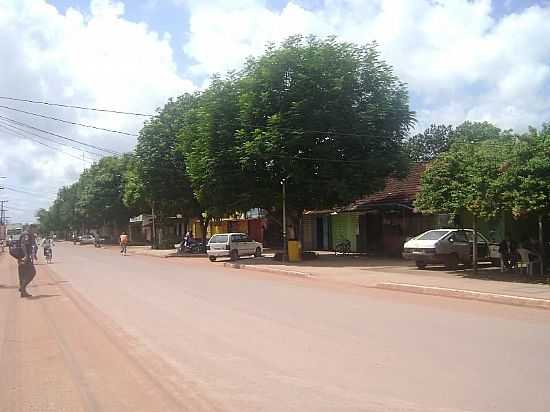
(232, 245)
(449, 247)
(86, 240)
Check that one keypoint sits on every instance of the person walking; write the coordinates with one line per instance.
(22, 250)
(123, 243)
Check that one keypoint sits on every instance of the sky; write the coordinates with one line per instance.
(477, 60)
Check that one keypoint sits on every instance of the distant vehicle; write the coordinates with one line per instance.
(448, 247)
(14, 233)
(232, 245)
(86, 239)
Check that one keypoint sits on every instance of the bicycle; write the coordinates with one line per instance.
(343, 247)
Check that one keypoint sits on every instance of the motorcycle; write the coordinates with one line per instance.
(191, 246)
(98, 242)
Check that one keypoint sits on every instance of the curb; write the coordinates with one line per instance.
(467, 294)
(268, 270)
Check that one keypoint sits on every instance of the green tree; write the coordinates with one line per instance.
(476, 132)
(427, 145)
(525, 183)
(327, 116)
(63, 216)
(467, 177)
(157, 177)
(208, 142)
(100, 193)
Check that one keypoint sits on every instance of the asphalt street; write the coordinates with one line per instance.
(187, 334)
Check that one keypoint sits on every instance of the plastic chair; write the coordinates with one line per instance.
(525, 262)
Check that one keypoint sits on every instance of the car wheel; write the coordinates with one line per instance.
(234, 255)
(451, 262)
(420, 264)
(258, 252)
(212, 258)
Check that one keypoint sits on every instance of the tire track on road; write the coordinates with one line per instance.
(154, 371)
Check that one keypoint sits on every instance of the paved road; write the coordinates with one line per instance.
(188, 335)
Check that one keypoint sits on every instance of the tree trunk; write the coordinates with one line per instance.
(474, 257)
(204, 225)
(541, 245)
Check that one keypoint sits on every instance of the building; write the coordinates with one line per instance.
(378, 223)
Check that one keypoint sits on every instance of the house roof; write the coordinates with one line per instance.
(396, 191)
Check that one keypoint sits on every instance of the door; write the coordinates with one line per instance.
(235, 244)
(320, 234)
(247, 244)
(362, 236)
(460, 244)
(374, 231)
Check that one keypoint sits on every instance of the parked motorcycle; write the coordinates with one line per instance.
(191, 246)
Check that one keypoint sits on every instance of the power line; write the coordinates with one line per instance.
(20, 135)
(24, 192)
(77, 107)
(61, 137)
(326, 132)
(68, 121)
(26, 132)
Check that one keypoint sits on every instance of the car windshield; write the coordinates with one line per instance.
(433, 235)
(218, 239)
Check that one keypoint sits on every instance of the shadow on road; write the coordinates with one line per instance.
(9, 287)
(43, 296)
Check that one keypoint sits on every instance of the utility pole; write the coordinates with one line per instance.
(3, 219)
(283, 183)
(3, 212)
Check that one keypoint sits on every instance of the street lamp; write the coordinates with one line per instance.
(283, 183)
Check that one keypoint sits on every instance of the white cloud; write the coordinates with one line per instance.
(459, 61)
(99, 60)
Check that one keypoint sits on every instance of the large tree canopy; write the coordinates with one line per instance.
(208, 142)
(467, 177)
(327, 116)
(525, 183)
(157, 175)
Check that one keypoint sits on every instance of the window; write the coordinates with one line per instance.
(218, 239)
(460, 237)
(433, 235)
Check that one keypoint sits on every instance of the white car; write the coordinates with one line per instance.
(448, 246)
(232, 245)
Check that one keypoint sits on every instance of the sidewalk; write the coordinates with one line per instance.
(400, 275)
(147, 251)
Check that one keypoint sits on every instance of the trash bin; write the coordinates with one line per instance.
(294, 251)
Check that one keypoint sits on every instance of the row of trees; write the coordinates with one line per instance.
(329, 117)
(95, 200)
(499, 172)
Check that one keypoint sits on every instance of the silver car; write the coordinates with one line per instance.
(232, 245)
(449, 247)
(86, 239)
